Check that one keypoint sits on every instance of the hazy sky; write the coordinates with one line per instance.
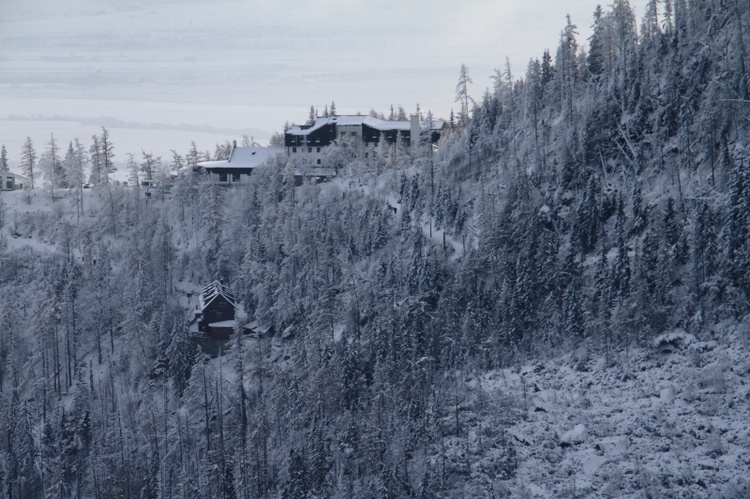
(160, 73)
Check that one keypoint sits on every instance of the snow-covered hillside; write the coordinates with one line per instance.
(667, 421)
(554, 303)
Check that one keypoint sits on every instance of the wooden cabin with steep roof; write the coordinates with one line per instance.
(216, 312)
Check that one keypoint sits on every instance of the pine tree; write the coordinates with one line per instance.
(548, 69)
(193, 156)
(181, 356)
(74, 164)
(703, 248)
(4, 166)
(51, 166)
(107, 156)
(350, 376)
(621, 264)
(572, 313)
(566, 64)
(597, 56)
(299, 486)
(650, 30)
(133, 172)
(177, 162)
(602, 298)
(312, 116)
(150, 167)
(22, 479)
(640, 219)
(586, 226)
(212, 227)
(462, 94)
(97, 168)
(320, 460)
(737, 223)
(28, 160)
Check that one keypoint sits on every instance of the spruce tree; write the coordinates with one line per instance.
(4, 166)
(597, 48)
(28, 160)
(462, 94)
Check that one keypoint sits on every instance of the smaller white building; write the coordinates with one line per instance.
(241, 163)
(10, 181)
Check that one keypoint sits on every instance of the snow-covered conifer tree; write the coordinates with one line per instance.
(28, 160)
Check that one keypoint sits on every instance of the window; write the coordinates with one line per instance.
(318, 161)
(309, 149)
(9, 184)
(318, 149)
(343, 134)
(235, 177)
(367, 155)
(222, 177)
(294, 149)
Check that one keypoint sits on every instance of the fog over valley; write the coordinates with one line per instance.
(164, 73)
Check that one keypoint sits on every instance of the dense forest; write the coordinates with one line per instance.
(577, 212)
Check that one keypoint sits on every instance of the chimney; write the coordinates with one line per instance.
(415, 130)
(231, 153)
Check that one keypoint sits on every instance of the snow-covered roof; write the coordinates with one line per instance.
(253, 155)
(358, 120)
(17, 176)
(213, 164)
(381, 125)
(257, 327)
(212, 291)
(223, 324)
(307, 130)
(244, 157)
(348, 120)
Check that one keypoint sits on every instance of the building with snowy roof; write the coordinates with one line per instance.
(307, 143)
(10, 181)
(241, 163)
(367, 129)
(215, 313)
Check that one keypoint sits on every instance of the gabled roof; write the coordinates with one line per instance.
(17, 176)
(307, 129)
(244, 157)
(355, 120)
(214, 290)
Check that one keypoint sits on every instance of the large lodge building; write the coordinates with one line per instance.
(365, 130)
(307, 144)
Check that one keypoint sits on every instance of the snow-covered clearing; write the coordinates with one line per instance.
(661, 421)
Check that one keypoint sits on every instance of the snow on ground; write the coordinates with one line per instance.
(21, 212)
(384, 186)
(665, 422)
(439, 237)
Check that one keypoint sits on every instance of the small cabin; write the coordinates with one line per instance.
(240, 164)
(215, 313)
(13, 181)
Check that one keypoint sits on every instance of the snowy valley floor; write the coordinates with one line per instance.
(672, 421)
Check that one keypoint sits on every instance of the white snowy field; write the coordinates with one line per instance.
(670, 420)
(19, 209)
